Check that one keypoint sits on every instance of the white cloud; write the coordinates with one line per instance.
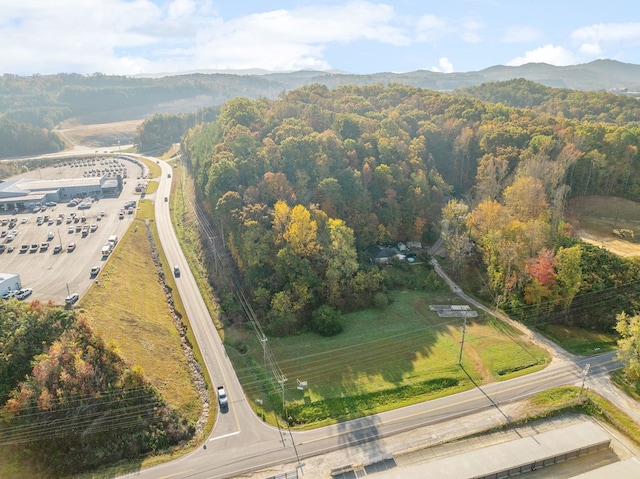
(547, 54)
(296, 38)
(139, 35)
(521, 34)
(181, 8)
(591, 49)
(613, 32)
(470, 29)
(445, 66)
(430, 28)
(594, 39)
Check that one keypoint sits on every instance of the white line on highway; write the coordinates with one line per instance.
(226, 435)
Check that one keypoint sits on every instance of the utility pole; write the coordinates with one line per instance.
(282, 380)
(585, 371)
(464, 330)
(263, 341)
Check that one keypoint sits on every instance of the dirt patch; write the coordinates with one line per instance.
(593, 219)
(99, 134)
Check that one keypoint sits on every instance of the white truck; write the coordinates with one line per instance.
(223, 400)
(107, 248)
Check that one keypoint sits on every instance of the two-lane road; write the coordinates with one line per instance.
(241, 443)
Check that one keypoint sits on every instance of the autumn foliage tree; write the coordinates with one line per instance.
(83, 407)
(384, 160)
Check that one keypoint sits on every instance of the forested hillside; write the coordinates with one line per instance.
(302, 185)
(44, 101)
(57, 377)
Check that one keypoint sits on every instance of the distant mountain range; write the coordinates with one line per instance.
(597, 75)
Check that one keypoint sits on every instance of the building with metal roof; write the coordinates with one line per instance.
(25, 194)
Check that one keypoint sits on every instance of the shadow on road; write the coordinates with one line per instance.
(363, 434)
(493, 403)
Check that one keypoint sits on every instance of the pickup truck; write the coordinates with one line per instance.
(222, 397)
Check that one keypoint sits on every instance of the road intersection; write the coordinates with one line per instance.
(241, 443)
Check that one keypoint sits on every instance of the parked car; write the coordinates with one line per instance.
(9, 294)
(24, 248)
(72, 298)
(24, 293)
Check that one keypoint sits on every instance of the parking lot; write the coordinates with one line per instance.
(55, 255)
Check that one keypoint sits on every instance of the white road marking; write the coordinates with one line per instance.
(226, 435)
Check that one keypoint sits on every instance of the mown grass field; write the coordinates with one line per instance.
(129, 307)
(381, 354)
(578, 340)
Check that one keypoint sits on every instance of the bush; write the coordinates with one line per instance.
(327, 321)
(381, 300)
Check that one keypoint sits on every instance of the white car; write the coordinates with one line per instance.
(24, 293)
(72, 298)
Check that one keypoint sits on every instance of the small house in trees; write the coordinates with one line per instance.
(384, 254)
(413, 245)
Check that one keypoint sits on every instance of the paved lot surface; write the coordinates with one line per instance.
(52, 276)
(416, 449)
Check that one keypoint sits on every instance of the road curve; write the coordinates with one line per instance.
(241, 443)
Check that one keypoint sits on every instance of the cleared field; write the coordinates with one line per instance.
(386, 351)
(594, 218)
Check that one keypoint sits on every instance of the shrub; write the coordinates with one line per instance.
(327, 321)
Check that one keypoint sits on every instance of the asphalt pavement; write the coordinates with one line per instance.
(241, 445)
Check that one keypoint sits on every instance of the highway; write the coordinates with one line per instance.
(241, 443)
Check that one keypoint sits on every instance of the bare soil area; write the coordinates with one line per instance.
(593, 219)
(99, 134)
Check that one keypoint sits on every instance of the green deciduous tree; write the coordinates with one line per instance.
(341, 262)
(629, 344)
(568, 273)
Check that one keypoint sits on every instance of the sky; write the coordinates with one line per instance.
(129, 37)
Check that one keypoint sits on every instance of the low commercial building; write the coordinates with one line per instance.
(24, 194)
(9, 282)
